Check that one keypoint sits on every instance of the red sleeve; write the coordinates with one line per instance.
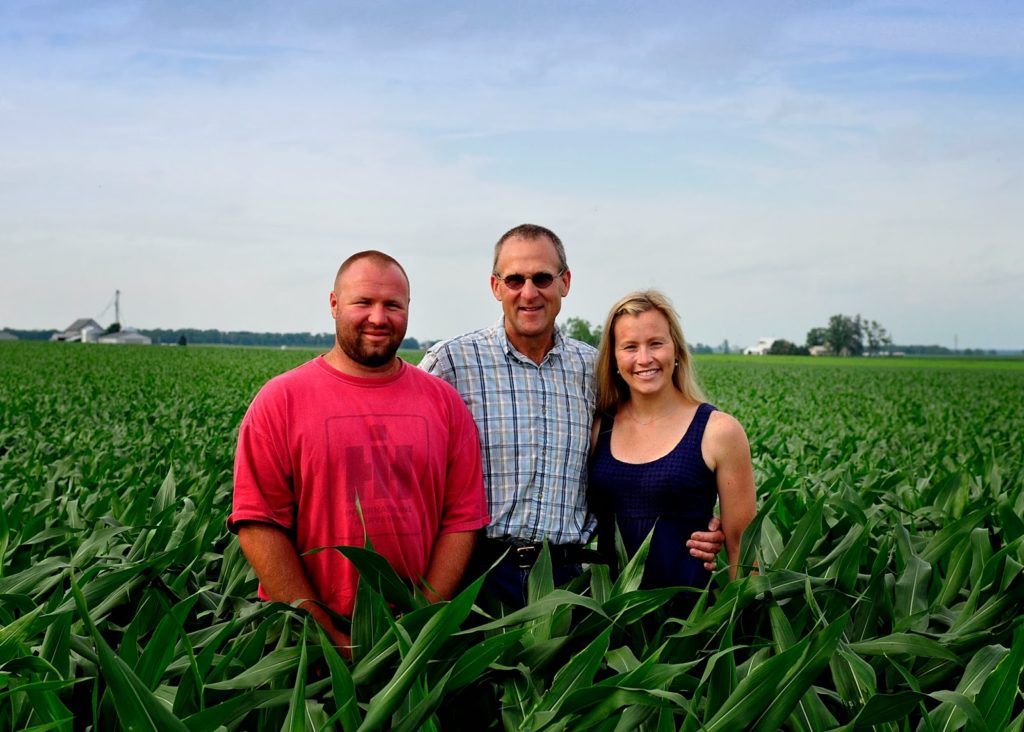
(465, 502)
(263, 489)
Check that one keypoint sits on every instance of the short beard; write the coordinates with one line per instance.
(353, 348)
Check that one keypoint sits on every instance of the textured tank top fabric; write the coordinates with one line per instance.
(674, 495)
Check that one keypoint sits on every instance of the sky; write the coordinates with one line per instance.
(766, 165)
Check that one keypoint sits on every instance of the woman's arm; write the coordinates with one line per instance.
(729, 456)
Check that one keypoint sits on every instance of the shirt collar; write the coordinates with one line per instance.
(510, 350)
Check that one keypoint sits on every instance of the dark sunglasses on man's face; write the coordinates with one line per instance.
(540, 280)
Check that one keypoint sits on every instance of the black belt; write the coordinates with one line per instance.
(524, 554)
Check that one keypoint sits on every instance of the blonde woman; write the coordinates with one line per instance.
(661, 455)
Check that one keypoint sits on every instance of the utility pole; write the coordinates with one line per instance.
(117, 306)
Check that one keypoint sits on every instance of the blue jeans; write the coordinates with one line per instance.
(507, 581)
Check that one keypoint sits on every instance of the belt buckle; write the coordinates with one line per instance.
(526, 555)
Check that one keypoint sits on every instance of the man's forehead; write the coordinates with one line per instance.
(518, 247)
(367, 274)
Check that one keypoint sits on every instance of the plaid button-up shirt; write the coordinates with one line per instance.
(534, 422)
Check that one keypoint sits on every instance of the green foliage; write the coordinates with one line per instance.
(581, 330)
(846, 336)
(889, 594)
(782, 347)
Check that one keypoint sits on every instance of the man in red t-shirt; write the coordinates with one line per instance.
(357, 423)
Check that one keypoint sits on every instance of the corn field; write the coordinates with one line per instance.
(888, 592)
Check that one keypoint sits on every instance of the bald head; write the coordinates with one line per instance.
(381, 259)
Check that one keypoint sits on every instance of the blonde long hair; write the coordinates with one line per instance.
(612, 391)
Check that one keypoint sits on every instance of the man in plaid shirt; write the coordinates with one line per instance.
(531, 392)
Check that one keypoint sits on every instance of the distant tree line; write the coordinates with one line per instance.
(844, 335)
(30, 335)
(238, 337)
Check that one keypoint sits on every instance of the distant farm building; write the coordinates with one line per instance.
(5, 336)
(83, 330)
(819, 350)
(761, 348)
(128, 336)
(87, 330)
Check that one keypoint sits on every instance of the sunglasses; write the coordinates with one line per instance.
(540, 280)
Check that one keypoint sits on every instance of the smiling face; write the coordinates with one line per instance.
(644, 352)
(530, 311)
(370, 306)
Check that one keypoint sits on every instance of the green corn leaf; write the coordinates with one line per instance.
(601, 703)
(232, 710)
(600, 583)
(772, 544)
(1000, 691)
(49, 711)
(886, 708)
(840, 550)
(347, 710)
(750, 542)
(541, 580)
(897, 644)
(378, 660)
(15, 634)
(782, 631)
(956, 575)
(40, 578)
(107, 590)
(754, 693)
(951, 536)
(371, 620)
(912, 592)
(981, 552)
(966, 707)
(136, 705)
(475, 661)
(719, 678)
(803, 540)
(519, 696)
(5, 537)
(628, 607)
(297, 721)
(272, 667)
(375, 571)
(853, 677)
(651, 674)
(466, 670)
(1017, 725)
(797, 681)
(165, 497)
(982, 664)
(990, 614)
(435, 633)
(542, 608)
(159, 651)
(578, 672)
(633, 572)
(622, 659)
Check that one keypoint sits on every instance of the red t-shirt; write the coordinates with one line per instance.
(314, 438)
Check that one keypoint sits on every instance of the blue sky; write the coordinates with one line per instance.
(765, 164)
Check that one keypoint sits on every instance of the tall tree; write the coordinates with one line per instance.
(782, 347)
(844, 335)
(876, 336)
(816, 337)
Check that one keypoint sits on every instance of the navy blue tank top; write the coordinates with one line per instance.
(675, 495)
